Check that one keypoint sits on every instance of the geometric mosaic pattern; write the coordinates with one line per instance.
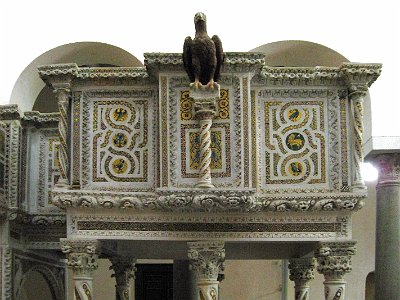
(295, 142)
(119, 140)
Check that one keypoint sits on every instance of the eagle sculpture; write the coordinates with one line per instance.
(203, 56)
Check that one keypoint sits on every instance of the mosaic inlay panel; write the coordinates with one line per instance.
(119, 140)
(295, 142)
(220, 149)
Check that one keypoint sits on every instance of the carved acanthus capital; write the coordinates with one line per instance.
(124, 270)
(334, 259)
(81, 255)
(301, 270)
(388, 166)
(207, 259)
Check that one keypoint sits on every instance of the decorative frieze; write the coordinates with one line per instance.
(41, 120)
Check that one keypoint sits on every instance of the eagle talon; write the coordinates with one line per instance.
(211, 84)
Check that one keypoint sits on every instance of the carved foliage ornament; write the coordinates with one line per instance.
(207, 259)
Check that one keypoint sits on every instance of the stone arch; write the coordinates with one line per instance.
(29, 87)
(295, 53)
(55, 283)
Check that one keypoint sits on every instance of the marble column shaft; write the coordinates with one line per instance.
(387, 254)
(207, 261)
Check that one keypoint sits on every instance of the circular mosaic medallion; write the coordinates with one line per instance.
(294, 115)
(119, 166)
(296, 168)
(120, 114)
(120, 140)
(295, 141)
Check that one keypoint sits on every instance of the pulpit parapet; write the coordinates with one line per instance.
(281, 138)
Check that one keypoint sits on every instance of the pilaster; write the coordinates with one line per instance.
(207, 261)
(82, 259)
(302, 272)
(334, 261)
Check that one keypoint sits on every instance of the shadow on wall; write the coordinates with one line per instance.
(29, 87)
(299, 54)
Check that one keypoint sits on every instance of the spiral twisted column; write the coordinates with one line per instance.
(207, 262)
(205, 103)
(63, 96)
(82, 259)
(334, 261)
(302, 272)
(356, 95)
(124, 270)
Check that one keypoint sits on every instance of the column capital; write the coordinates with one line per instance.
(302, 269)
(207, 259)
(81, 255)
(388, 165)
(124, 269)
(334, 259)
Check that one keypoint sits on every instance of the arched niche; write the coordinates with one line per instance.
(299, 54)
(45, 284)
(29, 87)
(370, 286)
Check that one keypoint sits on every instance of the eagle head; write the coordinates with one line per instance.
(200, 17)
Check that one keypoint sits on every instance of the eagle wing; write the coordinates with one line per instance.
(220, 56)
(187, 58)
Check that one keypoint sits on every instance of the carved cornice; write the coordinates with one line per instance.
(22, 217)
(207, 259)
(41, 120)
(216, 200)
(360, 74)
(10, 112)
(66, 72)
(233, 62)
(293, 76)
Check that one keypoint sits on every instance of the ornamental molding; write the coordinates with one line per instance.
(41, 120)
(296, 76)
(192, 226)
(22, 217)
(10, 112)
(233, 62)
(360, 74)
(218, 200)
